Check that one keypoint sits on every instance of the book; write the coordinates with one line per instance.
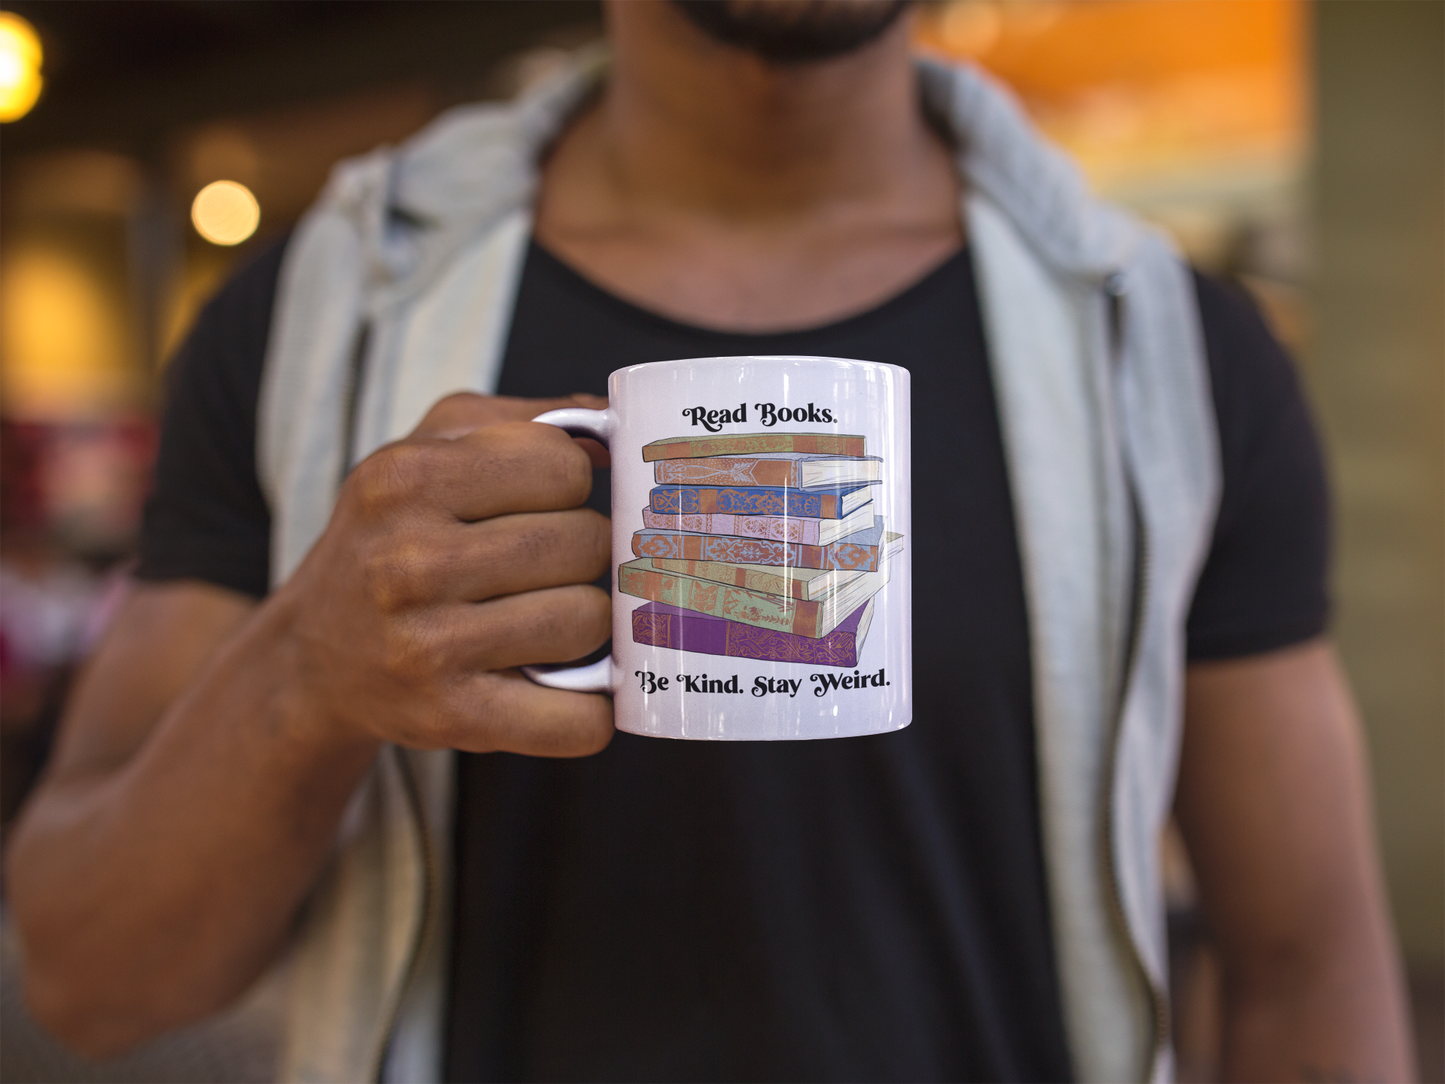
(808, 584)
(660, 625)
(752, 443)
(792, 469)
(805, 529)
(866, 550)
(813, 619)
(828, 503)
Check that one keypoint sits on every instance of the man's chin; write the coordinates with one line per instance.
(793, 31)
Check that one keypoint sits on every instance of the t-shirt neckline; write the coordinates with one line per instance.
(633, 311)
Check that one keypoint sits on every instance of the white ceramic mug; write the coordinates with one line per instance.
(761, 529)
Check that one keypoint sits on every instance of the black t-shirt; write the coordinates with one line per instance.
(863, 908)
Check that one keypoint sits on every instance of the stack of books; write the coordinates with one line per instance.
(760, 546)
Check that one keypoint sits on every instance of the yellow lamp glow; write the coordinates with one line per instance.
(63, 337)
(225, 213)
(20, 57)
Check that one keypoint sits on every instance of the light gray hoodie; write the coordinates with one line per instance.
(397, 289)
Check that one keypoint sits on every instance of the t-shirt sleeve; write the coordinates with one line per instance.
(1264, 583)
(206, 518)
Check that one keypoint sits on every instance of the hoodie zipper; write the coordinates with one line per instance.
(1139, 595)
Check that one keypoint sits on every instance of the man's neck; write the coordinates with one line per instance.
(722, 190)
(703, 128)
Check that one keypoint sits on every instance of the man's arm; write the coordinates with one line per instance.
(1274, 804)
(212, 745)
(155, 869)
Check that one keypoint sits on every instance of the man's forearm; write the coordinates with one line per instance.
(212, 748)
(1337, 1020)
(154, 894)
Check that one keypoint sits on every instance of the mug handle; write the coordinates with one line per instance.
(595, 677)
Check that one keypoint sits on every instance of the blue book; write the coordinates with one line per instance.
(827, 502)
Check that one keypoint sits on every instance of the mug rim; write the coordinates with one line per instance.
(760, 357)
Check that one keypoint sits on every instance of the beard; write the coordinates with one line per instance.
(793, 31)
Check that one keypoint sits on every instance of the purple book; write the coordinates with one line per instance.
(660, 625)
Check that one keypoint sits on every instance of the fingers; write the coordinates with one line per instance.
(462, 413)
(504, 712)
(504, 468)
(497, 709)
(473, 550)
(558, 624)
(473, 562)
(425, 678)
(527, 552)
(596, 451)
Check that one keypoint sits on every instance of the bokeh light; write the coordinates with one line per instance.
(20, 57)
(63, 339)
(225, 213)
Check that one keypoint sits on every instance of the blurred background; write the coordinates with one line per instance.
(1297, 147)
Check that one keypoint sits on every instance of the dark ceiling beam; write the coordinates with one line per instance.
(448, 44)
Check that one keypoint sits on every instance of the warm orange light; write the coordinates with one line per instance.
(63, 338)
(970, 27)
(1136, 88)
(225, 213)
(20, 56)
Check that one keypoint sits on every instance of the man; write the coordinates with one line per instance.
(745, 178)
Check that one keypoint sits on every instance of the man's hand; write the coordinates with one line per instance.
(452, 557)
(212, 744)
(1274, 803)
